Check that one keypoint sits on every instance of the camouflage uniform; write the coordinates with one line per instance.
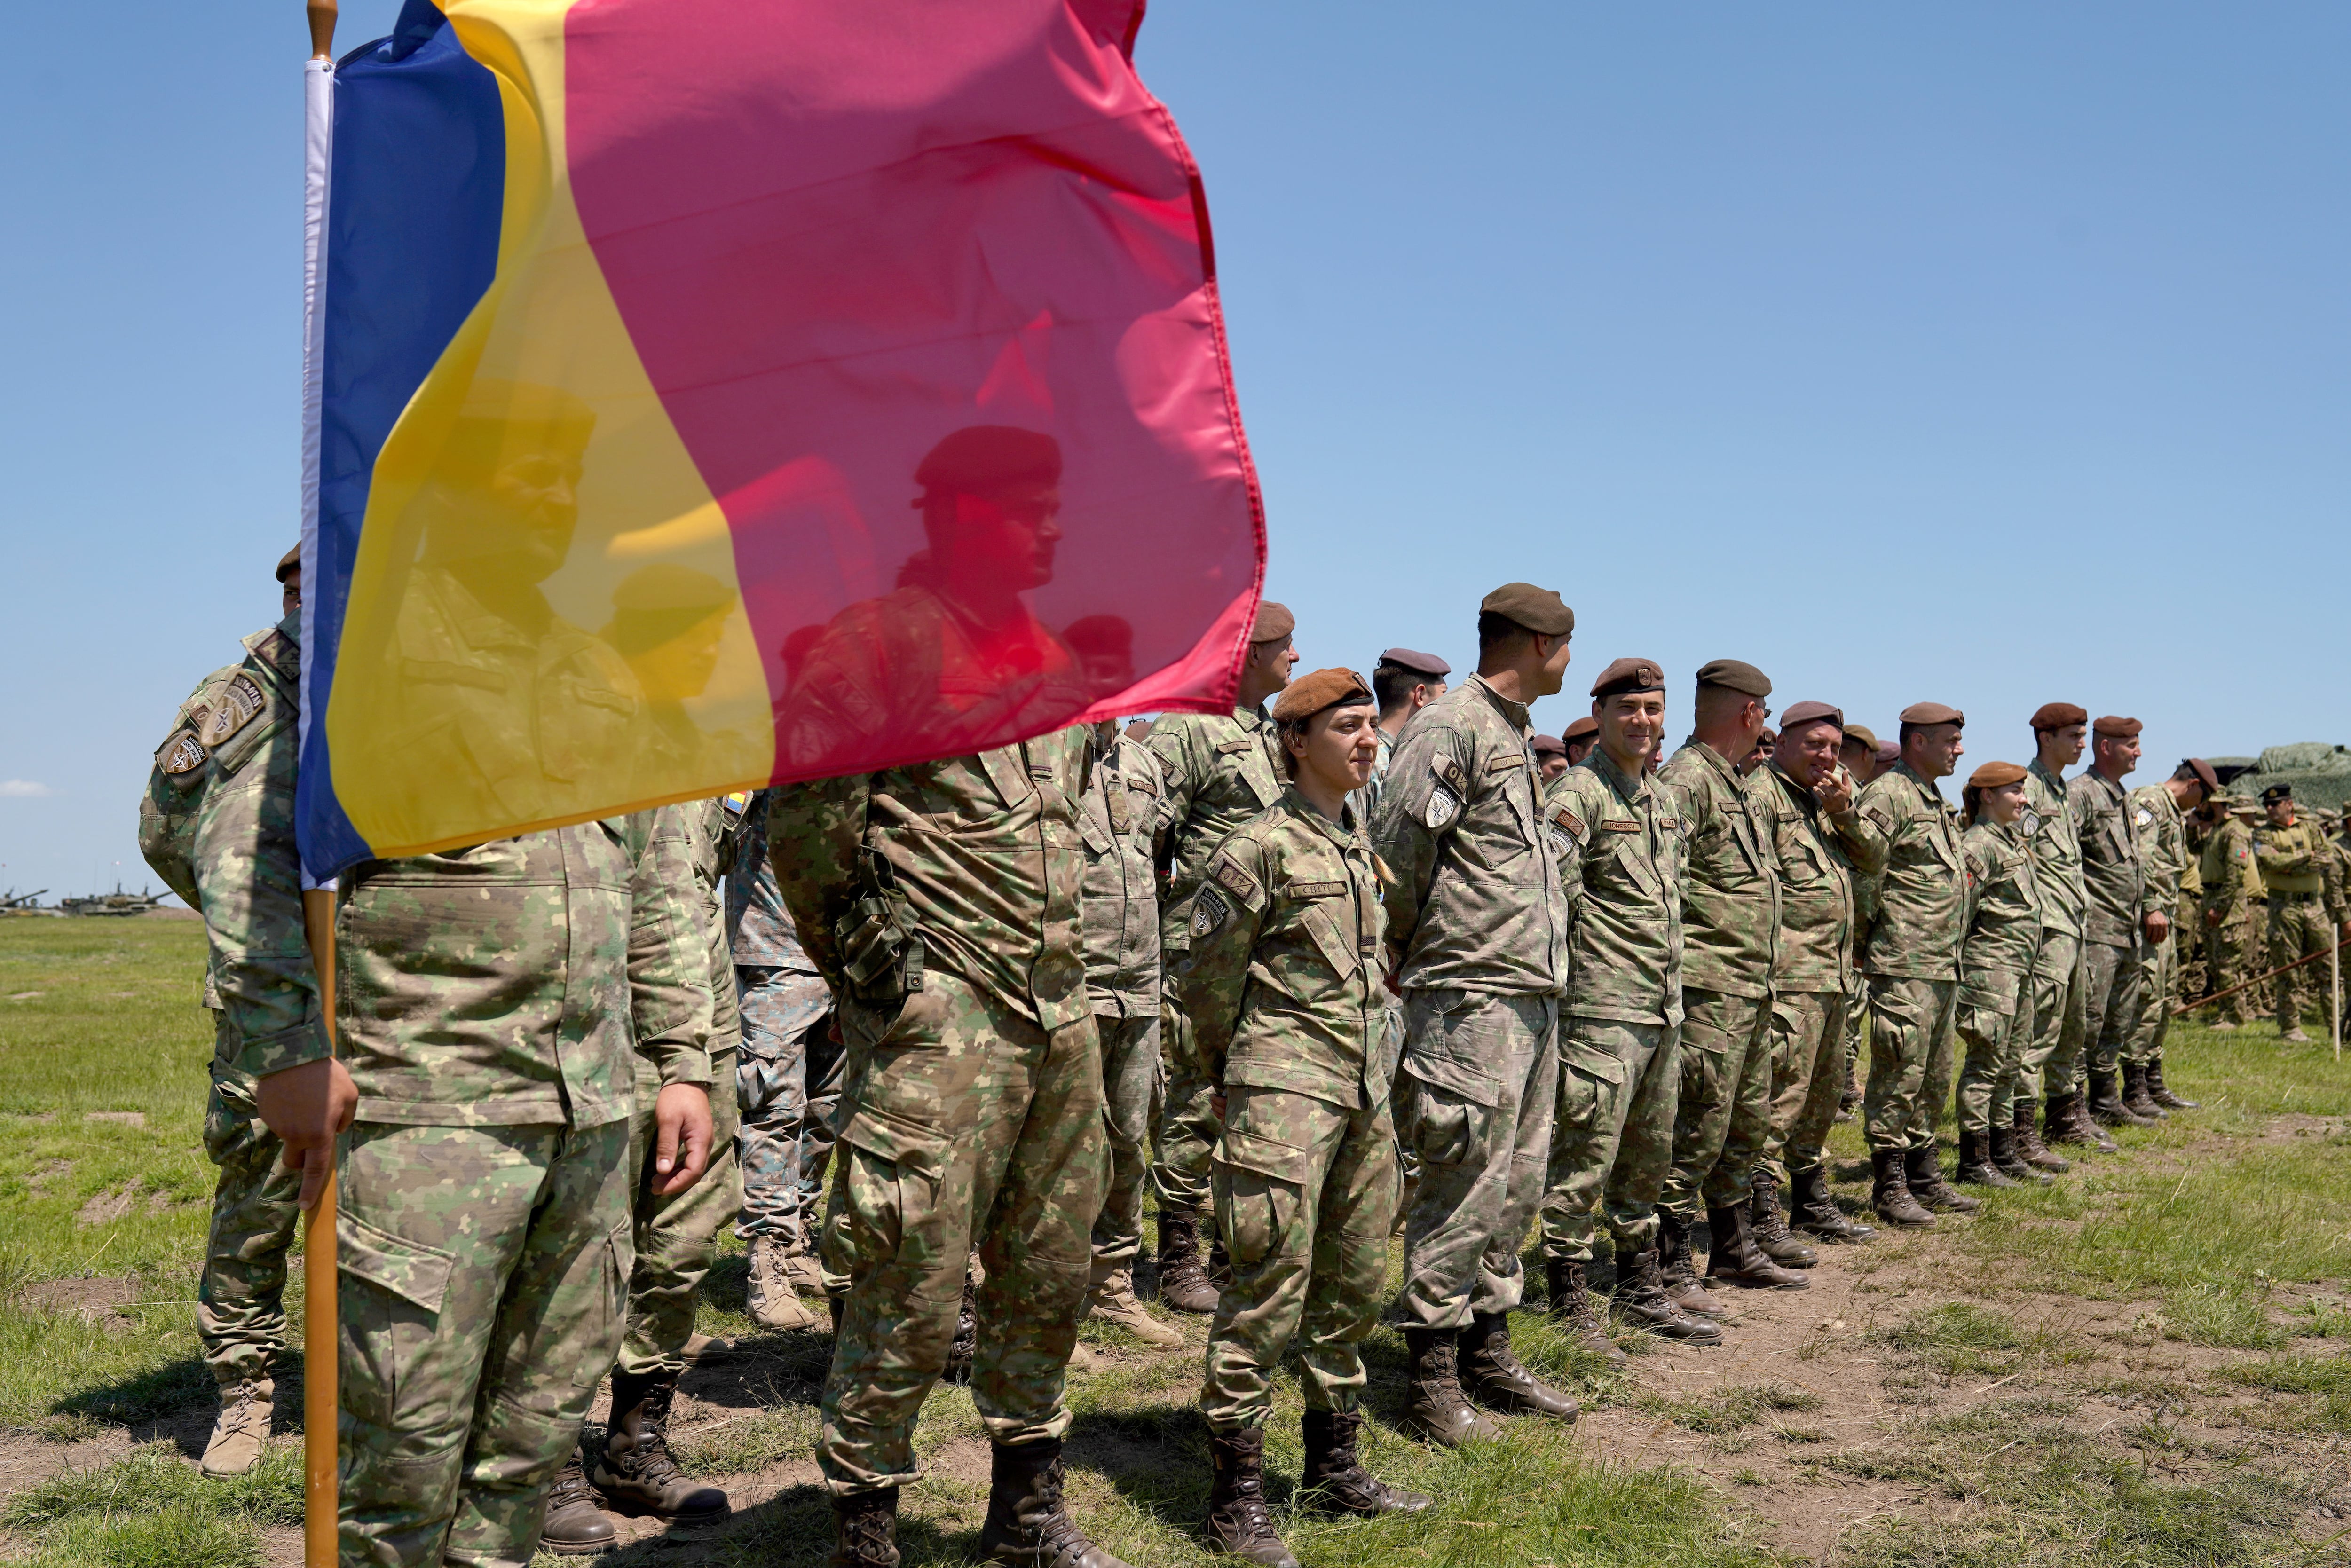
(1619, 850)
(1282, 987)
(1996, 974)
(1118, 820)
(1909, 830)
(1730, 933)
(2050, 1062)
(2232, 891)
(1476, 936)
(1813, 971)
(2112, 931)
(2162, 829)
(940, 899)
(492, 1004)
(2293, 868)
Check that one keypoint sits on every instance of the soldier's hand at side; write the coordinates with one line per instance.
(2211, 917)
(2158, 926)
(1834, 792)
(682, 1136)
(1217, 1103)
(308, 1107)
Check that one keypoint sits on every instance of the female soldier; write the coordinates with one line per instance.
(1282, 986)
(1995, 1004)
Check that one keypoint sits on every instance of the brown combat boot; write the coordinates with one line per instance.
(2028, 1144)
(2161, 1095)
(1183, 1283)
(866, 1530)
(1027, 1526)
(1923, 1168)
(2082, 1128)
(1572, 1308)
(2106, 1104)
(1239, 1524)
(636, 1473)
(2009, 1162)
(1493, 1375)
(1641, 1297)
(1769, 1227)
(1976, 1167)
(1890, 1192)
(1815, 1211)
(575, 1526)
(1678, 1269)
(2135, 1094)
(1735, 1259)
(1335, 1481)
(1440, 1413)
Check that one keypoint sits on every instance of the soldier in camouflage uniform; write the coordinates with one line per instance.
(2003, 934)
(2230, 912)
(2293, 856)
(2049, 1064)
(1219, 772)
(1282, 985)
(1477, 944)
(2159, 816)
(1406, 680)
(1858, 757)
(2119, 923)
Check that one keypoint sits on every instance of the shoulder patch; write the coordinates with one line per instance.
(1569, 824)
(1505, 763)
(2143, 817)
(1442, 806)
(182, 753)
(276, 650)
(2029, 824)
(1878, 817)
(241, 701)
(1449, 772)
(1314, 890)
(1239, 883)
(1209, 913)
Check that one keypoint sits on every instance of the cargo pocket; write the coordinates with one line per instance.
(392, 1295)
(1703, 1072)
(1447, 1128)
(893, 1169)
(616, 1256)
(1260, 1190)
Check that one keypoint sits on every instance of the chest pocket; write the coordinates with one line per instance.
(1007, 768)
(1800, 861)
(1326, 920)
(1631, 854)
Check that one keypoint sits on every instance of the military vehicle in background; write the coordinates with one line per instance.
(15, 903)
(2320, 773)
(117, 903)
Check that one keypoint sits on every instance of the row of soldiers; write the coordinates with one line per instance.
(1352, 956)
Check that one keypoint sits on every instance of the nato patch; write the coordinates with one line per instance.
(241, 701)
(1442, 807)
(183, 753)
(1209, 913)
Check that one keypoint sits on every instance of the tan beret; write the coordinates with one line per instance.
(1536, 608)
(1629, 675)
(1550, 745)
(1735, 674)
(2057, 715)
(2113, 728)
(1309, 695)
(1274, 622)
(1582, 726)
(1932, 713)
(290, 563)
(1806, 713)
(1992, 775)
(1862, 733)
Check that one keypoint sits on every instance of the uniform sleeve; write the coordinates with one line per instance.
(670, 951)
(1178, 782)
(249, 880)
(1227, 915)
(2288, 859)
(1868, 832)
(813, 833)
(1427, 778)
(1568, 814)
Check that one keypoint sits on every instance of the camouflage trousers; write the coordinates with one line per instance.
(484, 1273)
(1133, 1076)
(2232, 949)
(2294, 930)
(1808, 1035)
(2158, 976)
(2049, 1055)
(241, 1295)
(1910, 1036)
(780, 1099)
(1187, 1140)
(1306, 1195)
(1484, 1071)
(1722, 1110)
(1619, 1089)
(964, 1127)
(2110, 1004)
(677, 1236)
(1991, 1065)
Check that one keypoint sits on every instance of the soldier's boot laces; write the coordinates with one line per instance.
(1815, 1210)
(1183, 1283)
(575, 1526)
(1678, 1268)
(2160, 1093)
(965, 1346)
(1736, 1260)
(2028, 1145)
(1975, 1167)
(2135, 1094)
(1112, 1299)
(242, 1433)
(1641, 1297)
(1573, 1308)
(2106, 1104)
(637, 1473)
(1769, 1227)
(1335, 1480)
(1439, 1411)
(1923, 1169)
(866, 1530)
(1027, 1525)
(2010, 1161)
(1889, 1192)
(1239, 1524)
(774, 1299)
(1493, 1375)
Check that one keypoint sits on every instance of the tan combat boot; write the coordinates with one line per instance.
(773, 1303)
(242, 1433)
(1110, 1296)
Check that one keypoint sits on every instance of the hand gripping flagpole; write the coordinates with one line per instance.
(321, 1327)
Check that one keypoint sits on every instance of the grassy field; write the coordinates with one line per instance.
(2202, 1425)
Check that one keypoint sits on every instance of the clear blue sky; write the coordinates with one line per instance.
(1987, 353)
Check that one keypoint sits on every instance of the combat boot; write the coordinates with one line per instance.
(2028, 1146)
(1439, 1412)
(1027, 1525)
(1111, 1298)
(1641, 1297)
(2134, 1095)
(575, 1526)
(806, 1272)
(1493, 1375)
(1335, 1480)
(636, 1473)
(1572, 1308)
(1815, 1210)
(1239, 1524)
(1975, 1167)
(1678, 1271)
(2162, 1095)
(1769, 1227)
(773, 1300)
(1183, 1283)
(1735, 1259)
(866, 1530)
(1923, 1168)
(965, 1346)
(2007, 1159)
(1889, 1192)
(2291, 1034)
(1220, 1267)
(2107, 1104)
(2081, 1128)
(242, 1433)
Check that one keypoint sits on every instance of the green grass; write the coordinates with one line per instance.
(151, 1511)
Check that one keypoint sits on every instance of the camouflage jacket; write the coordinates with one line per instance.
(2162, 829)
(710, 845)
(2003, 917)
(507, 984)
(970, 865)
(2232, 881)
(217, 825)
(1283, 981)
(1731, 892)
(2048, 827)
(1218, 772)
(2111, 869)
(1817, 886)
(1619, 850)
(759, 928)
(1909, 837)
(1476, 901)
(1119, 917)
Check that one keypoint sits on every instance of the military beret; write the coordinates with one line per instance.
(1274, 622)
(290, 563)
(1550, 745)
(1767, 736)
(1536, 608)
(1735, 674)
(666, 585)
(2276, 792)
(1806, 713)
(1309, 695)
(1582, 726)
(982, 458)
(1419, 663)
(2204, 775)
(1629, 675)
(1992, 775)
(2112, 728)
(1888, 754)
(2057, 715)
(1862, 733)
(1932, 713)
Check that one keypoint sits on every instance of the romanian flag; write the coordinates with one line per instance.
(708, 392)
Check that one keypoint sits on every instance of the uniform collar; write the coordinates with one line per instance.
(1631, 790)
(1924, 785)
(1346, 833)
(1509, 708)
(1714, 760)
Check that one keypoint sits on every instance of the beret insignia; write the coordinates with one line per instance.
(1242, 885)
(1442, 807)
(183, 753)
(1209, 912)
(240, 701)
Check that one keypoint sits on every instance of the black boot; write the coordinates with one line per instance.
(2009, 1160)
(1641, 1297)
(2107, 1104)
(2028, 1146)
(1815, 1211)
(1678, 1269)
(636, 1474)
(1572, 1309)
(1439, 1411)
(866, 1530)
(2135, 1094)
(1923, 1169)
(1027, 1525)
(1769, 1227)
(1335, 1480)
(1492, 1375)
(2157, 1091)
(1889, 1192)
(2071, 1122)
(575, 1526)
(1736, 1260)
(964, 1347)
(1975, 1163)
(1183, 1283)
(1239, 1524)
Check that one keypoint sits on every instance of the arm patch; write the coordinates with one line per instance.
(1209, 913)
(1569, 824)
(241, 701)
(1228, 872)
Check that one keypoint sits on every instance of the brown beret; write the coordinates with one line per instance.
(1862, 733)
(983, 458)
(1736, 675)
(1309, 695)
(1932, 713)
(1274, 622)
(1629, 675)
(2057, 715)
(1551, 744)
(290, 563)
(2113, 728)
(1888, 754)
(1536, 608)
(2204, 775)
(1992, 775)
(1419, 663)
(1582, 726)
(1806, 713)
